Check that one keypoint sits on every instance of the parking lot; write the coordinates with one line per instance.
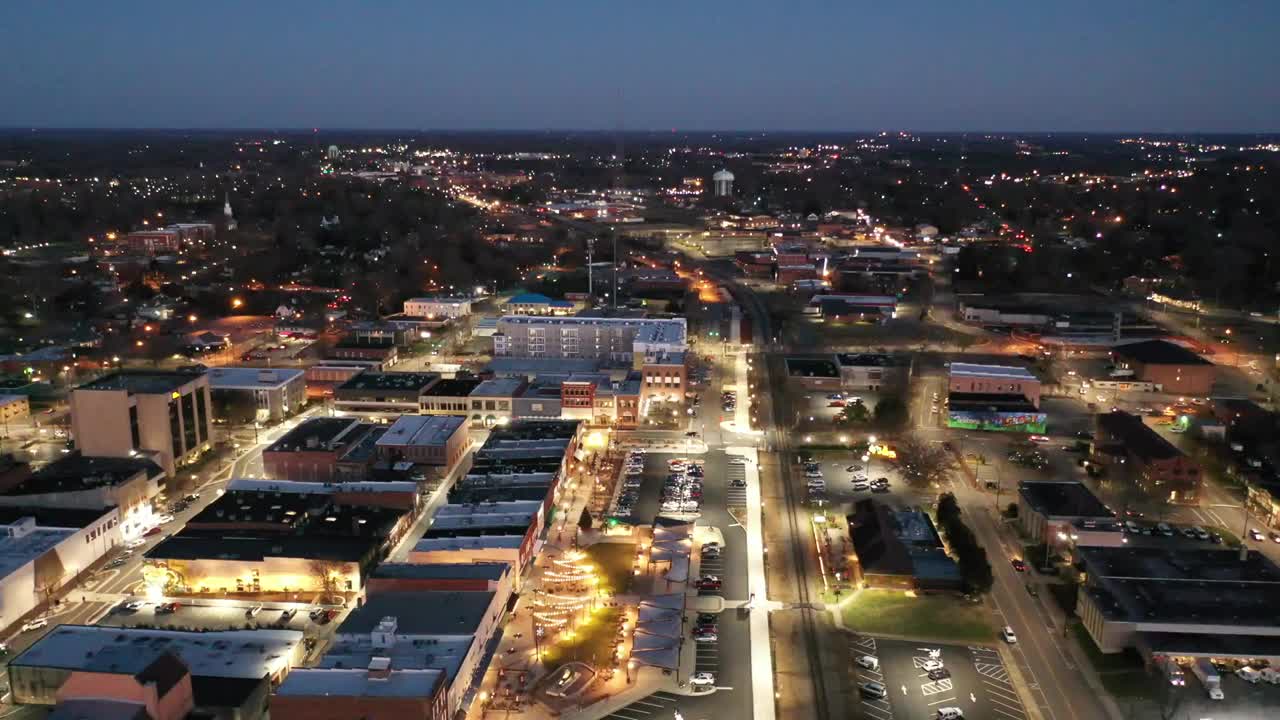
(978, 683)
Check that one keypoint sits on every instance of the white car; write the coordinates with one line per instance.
(35, 624)
(869, 662)
(702, 679)
(861, 485)
(1007, 634)
(930, 665)
(950, 713)
(164, 519)
(706, 638)
(135, 543)
(133, 605)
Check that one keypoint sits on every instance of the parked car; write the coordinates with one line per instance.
(873, 689)
(702, 679)
(131, 605)
(35, 624)
(167, 608)
(939, 674)
(869, 662)
(706, 637)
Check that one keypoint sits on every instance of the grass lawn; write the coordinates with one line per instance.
(892, 612)
(592, 641)
(615, 561)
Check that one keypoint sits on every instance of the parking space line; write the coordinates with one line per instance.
(644, 701)
(622, 714)
(943, 700)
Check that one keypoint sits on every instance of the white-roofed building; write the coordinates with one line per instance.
(276, 392)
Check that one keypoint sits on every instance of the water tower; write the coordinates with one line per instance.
(723, 182)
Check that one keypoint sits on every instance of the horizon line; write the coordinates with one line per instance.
(608, 131)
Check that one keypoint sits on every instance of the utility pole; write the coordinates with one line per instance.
(591, 246)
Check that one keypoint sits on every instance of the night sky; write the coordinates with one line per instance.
(1030, 65)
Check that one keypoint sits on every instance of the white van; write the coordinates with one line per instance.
(950, 713)
(1271, 675)
(1249, 675)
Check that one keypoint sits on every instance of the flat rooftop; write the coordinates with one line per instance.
(250, 654)
(82, 472)
(999, 402)
(472, 542)
(453, 387)
(812, 367)
(143, 382)
(246, 378)
(1168, 563)
(18, 551)
(1007, 372)
(403, 683)
(531, 367)
(421, 430)
(318, 434)
(491, 571)
(1134, 434)
(421, 613)
(1063, 499)
(256, 548)
(402, 381)
(498, 387)
(871, 360)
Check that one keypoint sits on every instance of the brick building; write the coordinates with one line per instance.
(1132, 448)
(1174, 368)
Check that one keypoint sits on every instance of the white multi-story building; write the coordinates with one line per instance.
(619, 340)
(437, 308)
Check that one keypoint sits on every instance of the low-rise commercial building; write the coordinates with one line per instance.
(376, 692)
(42, 551)
(444, 577)
(813, 373)
(447, 631)
(383, 394)
(166, 414)
(276, 392)
(998, 380)
(434, 308)
(1047, 510)
(231, 671)
(312, 450)
(535, 304)
(873, 371)
(1174, 368)
(279, 538)
(159, 691)
(448, 396)
(898, 549)
(999, 413)
(426, 440)
(1138, 454)
(491, 401)
(97, 484)
(1180, 602)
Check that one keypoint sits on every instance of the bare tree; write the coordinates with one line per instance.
(922, 463)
